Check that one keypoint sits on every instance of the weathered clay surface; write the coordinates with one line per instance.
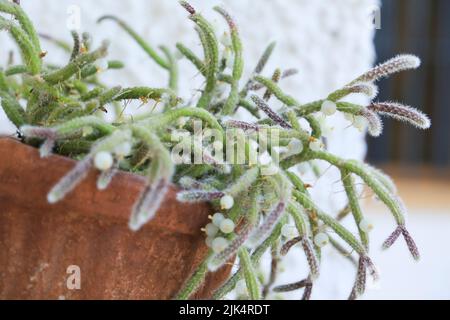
(38, 241)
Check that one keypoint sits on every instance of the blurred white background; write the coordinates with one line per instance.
(330, 42)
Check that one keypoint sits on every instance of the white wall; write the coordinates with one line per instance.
(329, 41)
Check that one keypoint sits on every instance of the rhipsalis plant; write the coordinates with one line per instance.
(261, 201)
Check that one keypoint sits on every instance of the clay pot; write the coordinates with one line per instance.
(40, 242)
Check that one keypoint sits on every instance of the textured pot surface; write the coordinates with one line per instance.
(40, 242)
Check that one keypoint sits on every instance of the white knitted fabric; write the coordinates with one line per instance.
(328, 41)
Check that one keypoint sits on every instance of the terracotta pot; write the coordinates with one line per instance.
(39, 242)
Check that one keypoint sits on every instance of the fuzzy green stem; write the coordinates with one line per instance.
(76, 65)
(194, 282)
(249, 274)
(145, 93)
(316, 106)
(75, 125)
(250, 107)
(76, 45)
(244, 182)
(259, 67)
(192, 57)
(81, 87)
(359, 169)
(315, 126)
(350, 189)
(15, 70)
(275, 78)
(238, 68)
(3, 84)
(91, 94)
(108, 96)
(92, 69)
(115, 64)
(277, 92)
(25, 22)
(12, 109)
(30, 54)
(171, 116)
(297, 182)
(315, 212)
(161, 154)
(256, 258)
(173, 69)
(300, 222)
(309, 108)
(211, 50)
(57, 42)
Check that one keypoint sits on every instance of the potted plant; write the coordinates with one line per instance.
(55, 211)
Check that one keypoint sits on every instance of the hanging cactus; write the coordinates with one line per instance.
(61, 109)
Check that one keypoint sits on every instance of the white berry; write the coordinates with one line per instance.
(219, 244)
(227, 202)
(123, 149)
(288, 231)
(321, 240)
(226, 169)
(53, 198)
(211, 230)
(366, 225)
(295, 147)
(329, 108)
(265, 159)
(209, 242)
(327, 129)
(217, 219)
(227, 226)
(360, 123)
(315, 145)
(103, 161)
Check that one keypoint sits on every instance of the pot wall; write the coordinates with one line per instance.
(39, 242)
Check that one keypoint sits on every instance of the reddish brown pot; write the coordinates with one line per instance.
(38, 241)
